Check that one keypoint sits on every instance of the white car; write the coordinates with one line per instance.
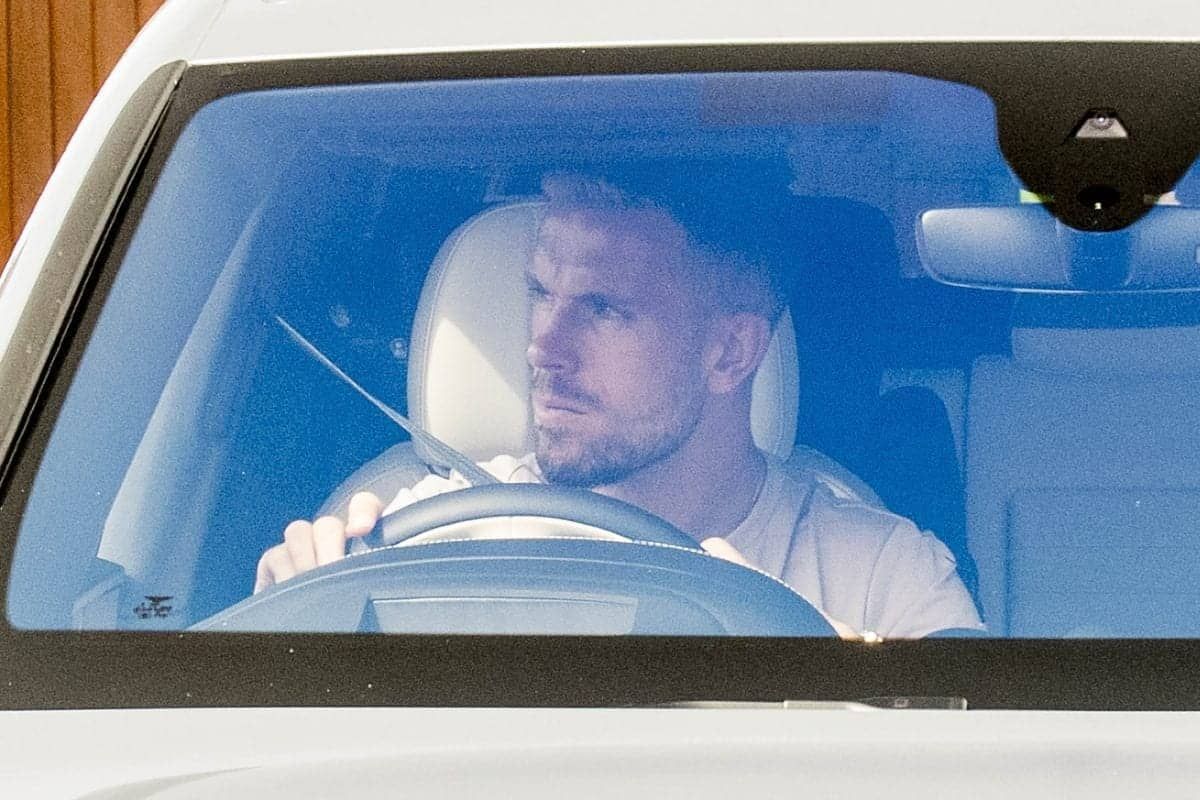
(302, 249)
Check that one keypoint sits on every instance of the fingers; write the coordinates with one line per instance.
(297, 554)
(722, 549)
(329, 540)
(362, 514)
(298, 541)
(307, 545)
(274, 566)
(843, 630)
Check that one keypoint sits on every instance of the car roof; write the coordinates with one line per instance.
(270, 29)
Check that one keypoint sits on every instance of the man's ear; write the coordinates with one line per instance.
(736, 346)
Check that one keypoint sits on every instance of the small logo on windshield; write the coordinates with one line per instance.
(154, 608)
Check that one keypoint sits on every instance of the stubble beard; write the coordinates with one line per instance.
(630, 443)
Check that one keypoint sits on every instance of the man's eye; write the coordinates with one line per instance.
(537, 291)
(605, 310)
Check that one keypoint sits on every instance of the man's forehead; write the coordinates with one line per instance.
(610, 249)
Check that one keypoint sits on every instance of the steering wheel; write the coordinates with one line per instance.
(612, 569)
(581, 514)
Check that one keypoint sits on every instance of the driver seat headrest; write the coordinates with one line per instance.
(468, 380)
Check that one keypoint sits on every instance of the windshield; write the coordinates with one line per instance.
(780, 354)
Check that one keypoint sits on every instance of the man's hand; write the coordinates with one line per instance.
(722, 549)
(307, 545)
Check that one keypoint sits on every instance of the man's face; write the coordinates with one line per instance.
(616, 338)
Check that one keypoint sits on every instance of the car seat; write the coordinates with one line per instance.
(1081, 476)
(909, 458)
(468, 381)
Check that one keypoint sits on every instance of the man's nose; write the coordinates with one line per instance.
(553, 342)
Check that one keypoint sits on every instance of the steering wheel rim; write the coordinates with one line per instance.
(580, 506)
(660, 573)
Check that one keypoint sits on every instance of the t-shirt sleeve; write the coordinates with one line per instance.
(915, 589)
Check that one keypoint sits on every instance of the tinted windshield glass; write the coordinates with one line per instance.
(805, 323)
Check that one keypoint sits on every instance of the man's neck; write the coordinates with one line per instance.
(703, 490)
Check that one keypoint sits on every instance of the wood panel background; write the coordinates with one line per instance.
(54, 54)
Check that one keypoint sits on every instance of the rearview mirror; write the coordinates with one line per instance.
(1024, 248)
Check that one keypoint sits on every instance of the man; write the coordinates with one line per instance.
(644, 341)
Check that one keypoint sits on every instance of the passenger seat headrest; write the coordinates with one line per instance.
(468, 380)
(1114, 335)
(1115, 351)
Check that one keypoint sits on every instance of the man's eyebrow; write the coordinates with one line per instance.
(612, 298)
(615, 300)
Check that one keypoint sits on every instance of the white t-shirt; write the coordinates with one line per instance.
(861, 565)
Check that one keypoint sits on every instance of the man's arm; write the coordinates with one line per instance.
(915, 589)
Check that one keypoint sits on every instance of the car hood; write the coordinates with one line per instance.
(534, 753)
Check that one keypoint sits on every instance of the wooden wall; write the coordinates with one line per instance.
(54, 54)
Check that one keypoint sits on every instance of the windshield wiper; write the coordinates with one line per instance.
(445, 455)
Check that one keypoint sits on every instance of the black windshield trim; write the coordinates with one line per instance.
(127, 669)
